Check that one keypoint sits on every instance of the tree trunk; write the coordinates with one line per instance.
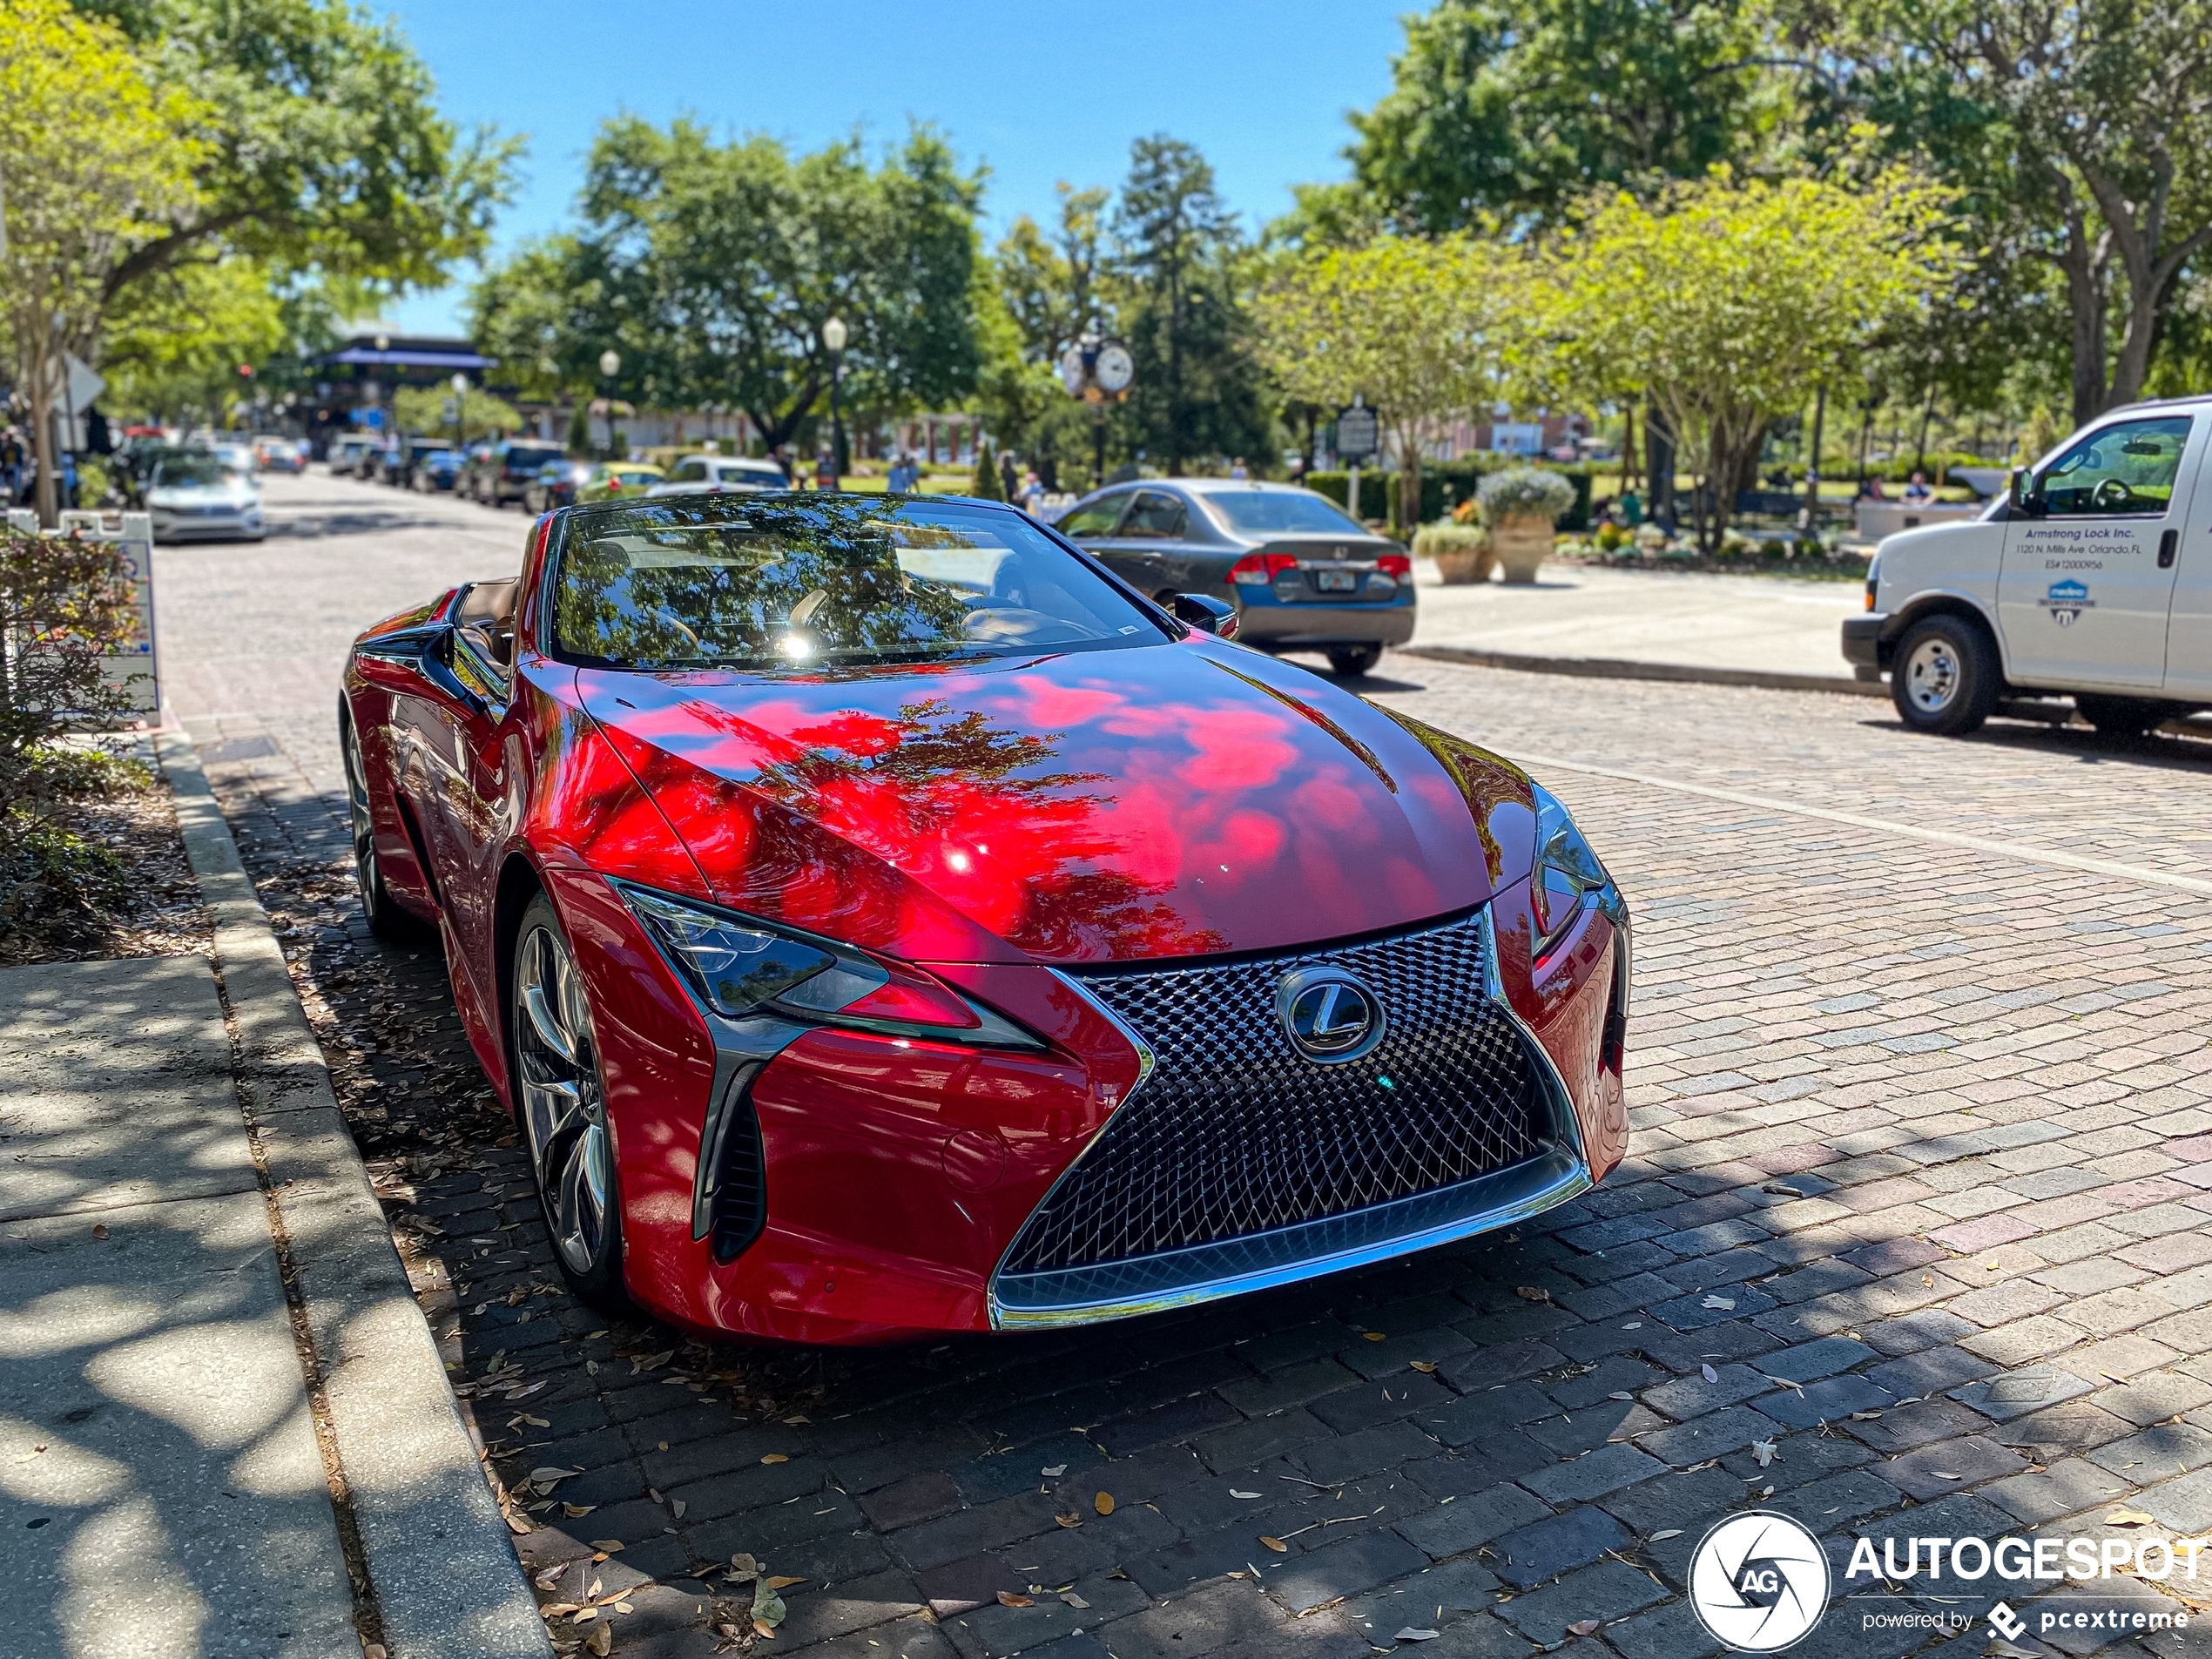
(48, 498)
(2085, 300)
(1659, 468)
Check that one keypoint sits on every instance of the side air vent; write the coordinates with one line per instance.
(739, 1204)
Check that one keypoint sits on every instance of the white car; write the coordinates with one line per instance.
(2091, 575)
(716, 475)
(346, 452)
(195, 497)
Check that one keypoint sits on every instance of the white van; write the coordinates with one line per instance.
(2093, 575)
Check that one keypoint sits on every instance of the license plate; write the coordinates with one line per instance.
(1337, 581)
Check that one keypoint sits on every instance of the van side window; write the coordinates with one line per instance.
(2126, 470)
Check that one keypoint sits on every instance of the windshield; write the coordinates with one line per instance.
(1270, 512)
(188, 471)
(531, 457)
(744, 582)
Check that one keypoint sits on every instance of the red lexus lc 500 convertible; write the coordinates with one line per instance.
(881, 921)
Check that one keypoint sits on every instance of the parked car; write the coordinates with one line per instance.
(838, 1005)
(277, 455)
(555, 485)
(345, 455)
(389, 462)
(435, 469)
(197, 497)
(714, 475)
(238, 457)
(1301, 574)
(611, 480)
(498, 473)
(2089, 576)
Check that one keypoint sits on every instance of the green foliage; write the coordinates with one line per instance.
(579, 440)
(1525, 492)
(1517, 107)
(987, 485)
(423, 409)
(63, 605)
(1444, 483)
(56, 887)
(1447, 537)
(712, 267)
(175, 337)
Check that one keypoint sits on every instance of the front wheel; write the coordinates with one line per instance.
(386, 920)
(1349, 661)
(562, 1103)
(2121, 716)
(1945, 676)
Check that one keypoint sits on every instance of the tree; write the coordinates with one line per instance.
(1518, 107)
(93, 159)
(1178, 254)
(322, 152)
(1042, 291)
(174, 341)
(711, 268)
(1728, 300)
(423, 409)
(1415, 326)
(2091, 127)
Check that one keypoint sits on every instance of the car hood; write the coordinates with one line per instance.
(1182, 799)
(199, 495)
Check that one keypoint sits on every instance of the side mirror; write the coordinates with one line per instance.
(1214, 617)
(2026, 497)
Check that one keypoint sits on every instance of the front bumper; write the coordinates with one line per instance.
(1863, 641)
(207, 527)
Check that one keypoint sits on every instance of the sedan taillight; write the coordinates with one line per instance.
(1395, 564)
(1258, 569)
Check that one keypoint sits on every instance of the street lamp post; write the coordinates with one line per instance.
(609, 365)
(1098, 369)
(459, 409)
(834, 337)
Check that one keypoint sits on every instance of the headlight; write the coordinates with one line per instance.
(1567, 870)
(740, 966)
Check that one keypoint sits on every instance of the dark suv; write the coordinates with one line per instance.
(500, 473)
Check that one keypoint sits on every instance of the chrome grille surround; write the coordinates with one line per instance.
(1239, 1162)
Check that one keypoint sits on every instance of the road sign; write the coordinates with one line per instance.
(1359, 434)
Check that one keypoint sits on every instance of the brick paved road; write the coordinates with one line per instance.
(1916, 1199)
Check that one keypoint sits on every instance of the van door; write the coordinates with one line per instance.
(2087, 580)
(2188, 628)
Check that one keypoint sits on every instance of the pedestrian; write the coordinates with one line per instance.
(1236, 468)
(1917, 491)
(1009, 478)
(1631, 508)
(825, 471)
(1032, 496)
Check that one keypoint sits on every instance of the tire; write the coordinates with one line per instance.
(1945, 676)
(387, 920)
(561, 1101)
(2121, 716)
(1350, 661)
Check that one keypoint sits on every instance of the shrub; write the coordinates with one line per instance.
(986, 485)
(1612, 536)
(1525, 492)
(1449, 537)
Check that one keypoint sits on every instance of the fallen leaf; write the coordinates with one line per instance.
(1409, 1634)
(1766, 1492)
(1071, 1520)
(516, 1524)
(1103, 1503)
(1275, 1544)
(602, 1639)
(1725, 1304)
(775, 1457)
(99, 1231)
(1944, 1474)
(676, 1507)
(1235, 1493)
(2129, 1518)
(1927, 1278)
(1426, 1367)
(767, 1608)
(1583, 1628)
(612, 1546)
(1864, 1417)
(1619, 1394)
(782, 1582)
(1532, 1292)
(547, 1474)
(1052, 1470)
(743, 1567)
(1374, 1336)
(1764, 1450)
(577, 1511)
(1008, 1598)
(765, 1630)
(1708, 1373)
(1662, 1537)
(584, 1615)
(1074, 1600)
(1633, 1325)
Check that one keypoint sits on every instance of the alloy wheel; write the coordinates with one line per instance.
(564, 1114)
(362, 825)
(1933, 676)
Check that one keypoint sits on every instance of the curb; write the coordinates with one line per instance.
(445, 1578)
(1614, 668)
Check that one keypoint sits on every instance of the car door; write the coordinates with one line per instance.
(1148, 540)
(2087, 580)
(2189, 627)
(1091, 526)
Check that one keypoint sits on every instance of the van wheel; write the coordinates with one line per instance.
(2121, 716)
(1945, 676)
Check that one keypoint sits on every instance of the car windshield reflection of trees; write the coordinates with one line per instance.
(668, 585)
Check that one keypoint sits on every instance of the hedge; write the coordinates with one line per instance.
(1377, 489)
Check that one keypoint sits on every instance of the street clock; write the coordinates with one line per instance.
(1116, 369)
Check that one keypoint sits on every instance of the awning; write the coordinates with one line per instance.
(364, 356)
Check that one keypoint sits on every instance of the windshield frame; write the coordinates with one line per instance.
(544, 626)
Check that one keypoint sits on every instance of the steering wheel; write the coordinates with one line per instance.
(2111, 495)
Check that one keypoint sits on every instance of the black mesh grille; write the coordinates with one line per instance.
(1236, 1132)
(740, 1190)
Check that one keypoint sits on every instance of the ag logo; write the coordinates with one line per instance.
(1759, 1582)
(1328, 1014)
(2066, 600)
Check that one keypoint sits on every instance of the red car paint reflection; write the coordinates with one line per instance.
(993, 828)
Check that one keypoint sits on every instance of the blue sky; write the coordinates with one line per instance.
(1040, 91)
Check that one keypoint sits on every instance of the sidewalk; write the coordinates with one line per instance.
(1648, 625)
(223, 1427)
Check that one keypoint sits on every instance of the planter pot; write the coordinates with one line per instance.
(1464, 566)
(1523, 545)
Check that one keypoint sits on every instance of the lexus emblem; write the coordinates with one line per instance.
(1328, 1014)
